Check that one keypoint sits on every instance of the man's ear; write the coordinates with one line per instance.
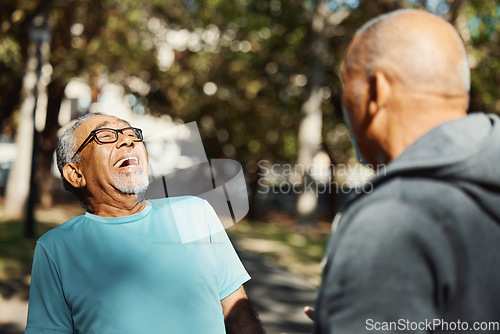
(73, 175)
(380, 93)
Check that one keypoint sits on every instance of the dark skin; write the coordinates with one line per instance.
(238, 314)
(94, 178)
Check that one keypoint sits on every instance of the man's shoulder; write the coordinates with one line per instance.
(383, 211)
(421, 191)
(68, 227)
(387, 230)
(183, 204)
(194, 217)
(420, 195)
(409, 206)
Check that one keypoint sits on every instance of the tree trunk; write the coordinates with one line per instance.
(310, 127)
(453, 13)
(17, 189)
(34, 98)
(48, 144)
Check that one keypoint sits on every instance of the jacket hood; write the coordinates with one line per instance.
(465, 152)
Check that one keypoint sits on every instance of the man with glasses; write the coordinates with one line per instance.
(122, 267)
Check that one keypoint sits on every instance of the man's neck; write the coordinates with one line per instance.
(128, 205)
(419, 117)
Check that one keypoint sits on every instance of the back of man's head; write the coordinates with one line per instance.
(405, 73)
(415, 48)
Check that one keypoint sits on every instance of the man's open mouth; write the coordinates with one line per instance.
(126, 162)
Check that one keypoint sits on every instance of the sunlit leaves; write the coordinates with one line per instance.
(483, 23)
(243, 64)
(10, 51)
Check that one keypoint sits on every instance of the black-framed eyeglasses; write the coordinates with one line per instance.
(107, 136)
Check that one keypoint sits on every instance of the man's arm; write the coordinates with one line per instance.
(239, 316)
(48, 311)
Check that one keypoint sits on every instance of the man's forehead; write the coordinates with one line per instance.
(111, 123)
(97, 122)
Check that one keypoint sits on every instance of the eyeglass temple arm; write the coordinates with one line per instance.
(89, 138)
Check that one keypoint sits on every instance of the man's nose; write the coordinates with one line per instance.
(124, 140)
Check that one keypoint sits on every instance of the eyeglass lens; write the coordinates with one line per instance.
(111, 135)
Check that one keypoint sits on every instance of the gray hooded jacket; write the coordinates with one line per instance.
(419, 250)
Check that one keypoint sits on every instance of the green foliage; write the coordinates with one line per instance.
(10, 52)
(483, 23)
(16, 251)
(250, 50)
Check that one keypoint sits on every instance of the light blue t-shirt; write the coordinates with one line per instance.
(162, 270)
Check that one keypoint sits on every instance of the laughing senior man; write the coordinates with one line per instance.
(122, 267)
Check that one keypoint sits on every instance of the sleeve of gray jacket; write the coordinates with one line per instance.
(390, 265)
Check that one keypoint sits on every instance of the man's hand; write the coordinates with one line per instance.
(239, 317)
(309, 312)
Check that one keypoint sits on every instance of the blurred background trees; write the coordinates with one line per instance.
(260, 77)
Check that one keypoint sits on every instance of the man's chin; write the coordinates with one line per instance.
(132, 183)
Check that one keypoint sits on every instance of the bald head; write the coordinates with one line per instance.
(414, 48)
(404, 74)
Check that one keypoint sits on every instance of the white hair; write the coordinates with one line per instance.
(66, 148)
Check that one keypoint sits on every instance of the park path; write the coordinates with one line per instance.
(277, 295)
(13, 313)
